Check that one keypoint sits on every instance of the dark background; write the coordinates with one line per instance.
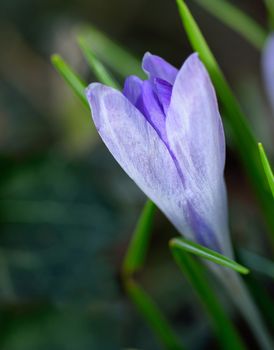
(66, 208)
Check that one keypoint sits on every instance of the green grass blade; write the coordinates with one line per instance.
(73, 80)
(182, 244)
(96, 66)
(227, 334)
(237, 20)
(267, 168)
(111, 53)
(153, 316)
(138, 246)
(242, 135)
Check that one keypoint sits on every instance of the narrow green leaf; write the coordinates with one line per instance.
(267, 167)
(236, 19)
(257, 262)
(227, 334)
(73, 80)
(182, 244)
(96, 66)
(153, 316)
(138, 246)
(112, 54)
(242, 135)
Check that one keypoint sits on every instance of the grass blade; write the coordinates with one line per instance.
(267, 168)
(237, 20)
(96, 66)
(111, 53)
(139, 243)
(153, 316)
(227, 334)
(242, 135)
(73, 80)
(182, 244)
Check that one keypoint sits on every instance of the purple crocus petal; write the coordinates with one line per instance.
(133, 88)
(195, 136)
(164, 91)
(151, 108)
(139, 150)
(193, 123)
(268, 68)
(156, 67)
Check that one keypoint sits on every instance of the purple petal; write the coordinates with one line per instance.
(133, 88)
(139, 150)
(268, 69)
(156, 67)
(193, 122)
(164, 90)
(203, 232)
(149, 105)
(195, 136)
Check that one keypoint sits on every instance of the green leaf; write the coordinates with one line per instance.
(227, 334)
(111, 53)
(182, 244)
(242, 135)
(73, 80)
(153, 316)
(267, 168)
(96, 66)
(138, 246)
(236, 19)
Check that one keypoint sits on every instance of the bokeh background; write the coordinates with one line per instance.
(66, 208)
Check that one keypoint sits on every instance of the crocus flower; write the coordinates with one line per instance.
(166, 133)
(268, 69)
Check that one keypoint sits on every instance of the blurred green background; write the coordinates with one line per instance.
(66, 208)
